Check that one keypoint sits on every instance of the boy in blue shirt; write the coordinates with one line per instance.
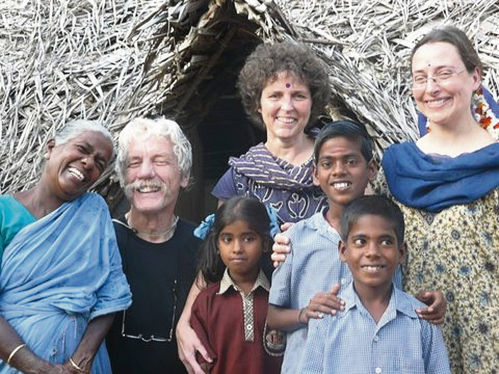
(378, 331)
(343, 165)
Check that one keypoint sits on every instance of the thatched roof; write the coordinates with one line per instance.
(115, 60)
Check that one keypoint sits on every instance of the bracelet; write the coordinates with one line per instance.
(299, 316)
(14, 351)
(73, 364)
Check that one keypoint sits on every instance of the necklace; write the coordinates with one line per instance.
(167, 234)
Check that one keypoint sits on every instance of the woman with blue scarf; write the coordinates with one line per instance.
(447, 186)
(60, 277)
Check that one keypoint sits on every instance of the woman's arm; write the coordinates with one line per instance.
(187, 341)
(437, 306)
(290, 319)
(24, 359)
(90, 342)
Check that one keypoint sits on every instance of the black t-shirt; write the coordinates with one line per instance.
(160, 276)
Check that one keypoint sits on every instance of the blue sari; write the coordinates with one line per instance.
(59, 273)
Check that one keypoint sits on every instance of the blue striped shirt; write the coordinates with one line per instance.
(353, 343)
(312, 266)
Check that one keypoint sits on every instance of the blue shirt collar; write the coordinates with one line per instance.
(398, 302)
(319, 223)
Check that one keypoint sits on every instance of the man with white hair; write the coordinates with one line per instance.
(158, 248)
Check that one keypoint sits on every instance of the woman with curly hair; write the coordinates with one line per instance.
(284, 88)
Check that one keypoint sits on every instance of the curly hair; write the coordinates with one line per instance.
(267, 60)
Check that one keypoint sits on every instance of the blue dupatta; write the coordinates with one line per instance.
(59, 273)
(433, 182)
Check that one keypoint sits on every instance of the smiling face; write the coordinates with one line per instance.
(341, 171)
(240, 249)
(75, 165)
(372, 253)
(153, 178)
(449, 101)
(285, 106)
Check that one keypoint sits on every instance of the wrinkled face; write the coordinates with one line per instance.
(152, 180)
(240, 249)
(446, 96)
(285, 106)
(341, 171)
(372, 253)
(75, 165)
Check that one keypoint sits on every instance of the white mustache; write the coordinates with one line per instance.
(140, 184)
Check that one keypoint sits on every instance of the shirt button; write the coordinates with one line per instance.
(378, 370)
(376, 338)
(343, 280)
(248, 327)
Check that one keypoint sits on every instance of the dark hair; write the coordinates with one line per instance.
(236, 208)
(456, 37)
(375, 205)
(267, 60)
(348, 129)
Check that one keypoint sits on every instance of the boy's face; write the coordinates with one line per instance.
(341, 171)
(372, 253)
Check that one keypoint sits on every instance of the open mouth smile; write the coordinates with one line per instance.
(341, 186)
(372, 268)
(148, 189)
(77, 173)
(437, 102)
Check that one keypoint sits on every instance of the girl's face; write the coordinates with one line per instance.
(285, 106)
(442, 87)
(240, 249)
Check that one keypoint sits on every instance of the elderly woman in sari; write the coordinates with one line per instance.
(61, 278)
(447, 184)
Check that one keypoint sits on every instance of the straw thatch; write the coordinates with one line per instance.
(117, 59)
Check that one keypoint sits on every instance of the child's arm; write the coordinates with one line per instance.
(290, 319)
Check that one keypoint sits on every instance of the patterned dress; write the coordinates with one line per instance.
(285, 187)
(456, 251)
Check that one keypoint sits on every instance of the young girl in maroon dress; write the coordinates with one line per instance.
(229, 314)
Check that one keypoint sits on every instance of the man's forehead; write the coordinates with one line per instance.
(157, 145)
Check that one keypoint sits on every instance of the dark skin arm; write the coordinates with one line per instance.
(437, 305)
(89, 345)
(26, 361)
(290, 319)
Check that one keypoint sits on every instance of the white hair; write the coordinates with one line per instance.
(143, 128)
(75, 128)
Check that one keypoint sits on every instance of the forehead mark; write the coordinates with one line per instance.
(288, 85)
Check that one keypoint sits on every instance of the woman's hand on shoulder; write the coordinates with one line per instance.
(436, 306)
